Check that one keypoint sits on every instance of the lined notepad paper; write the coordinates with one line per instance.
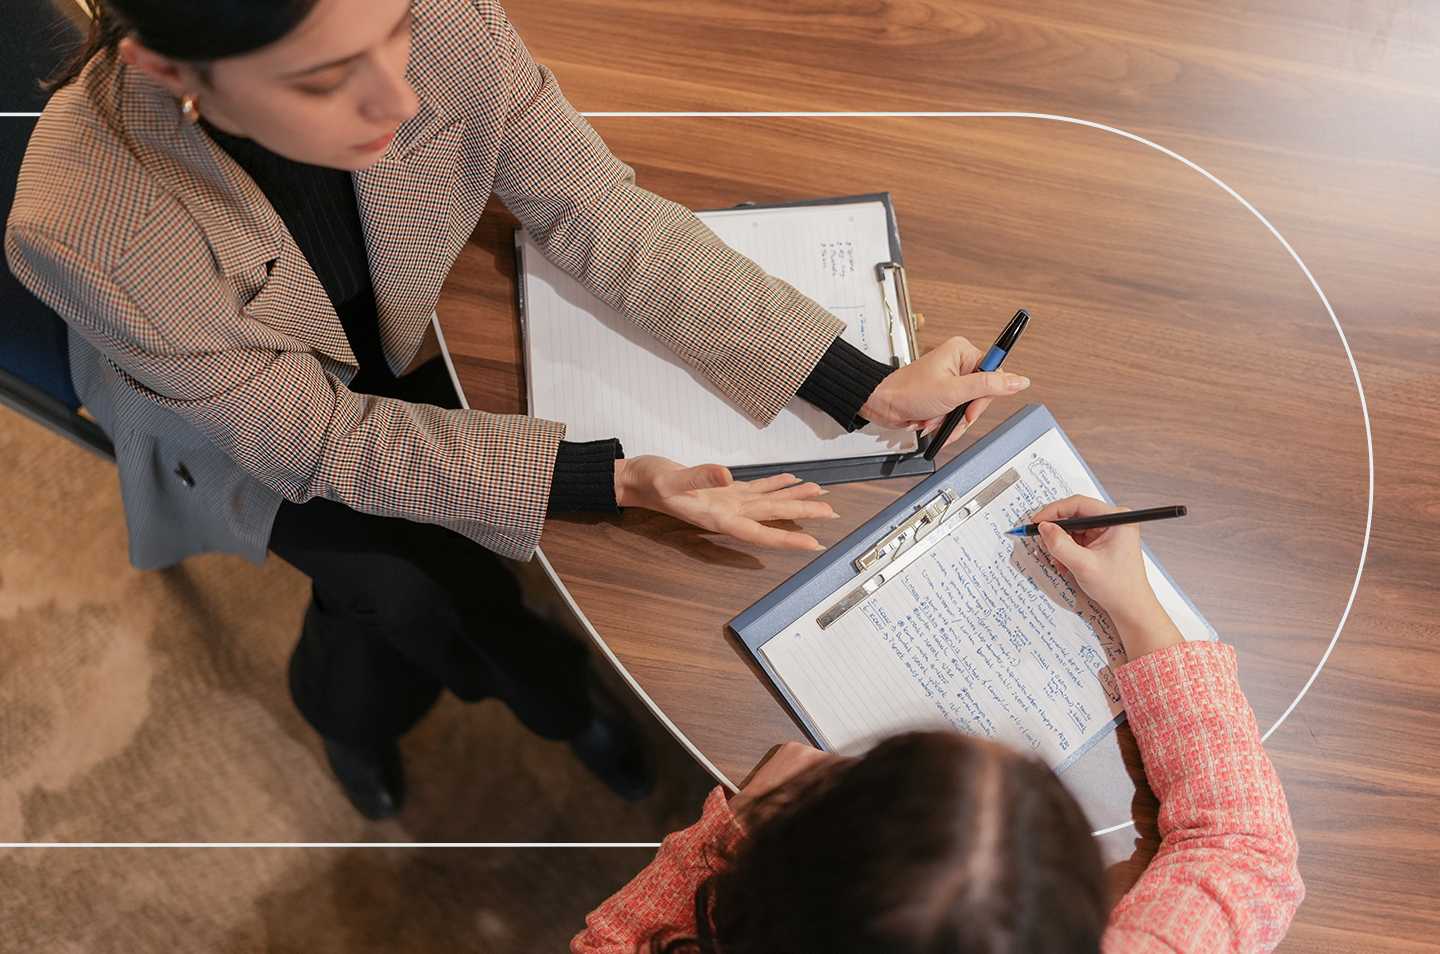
(593, 370)
(979, 634)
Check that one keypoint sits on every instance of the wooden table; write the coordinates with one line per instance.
(1324, 114)
(1175, 339)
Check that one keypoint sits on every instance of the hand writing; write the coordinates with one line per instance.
(1110, 567)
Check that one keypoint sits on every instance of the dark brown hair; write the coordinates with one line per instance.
(196, 31)
(932, 843)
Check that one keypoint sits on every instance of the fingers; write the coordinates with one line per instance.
(961, 355)
(798, 492)
(704, 477)
(709, 475)
(972, 387)
(743, 528)
(784, 487)
(1064, 549)
(1076, 506)
(972, 413)
(765, 485)
(976, 408)
(770, 508)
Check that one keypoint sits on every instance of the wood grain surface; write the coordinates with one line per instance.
(1176, 340)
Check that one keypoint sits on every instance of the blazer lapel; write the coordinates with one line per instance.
(242, 227)
(294, 303)
(406, 205)
(414, 205)
(408, 201)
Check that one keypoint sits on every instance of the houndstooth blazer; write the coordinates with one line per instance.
(204, 344)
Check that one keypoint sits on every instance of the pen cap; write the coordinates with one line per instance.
(1012, 331)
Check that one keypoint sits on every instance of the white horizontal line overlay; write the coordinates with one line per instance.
(330, 844)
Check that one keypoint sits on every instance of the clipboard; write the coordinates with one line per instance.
(892, 534)
(902, 322)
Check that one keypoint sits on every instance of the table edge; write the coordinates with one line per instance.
(579, 614)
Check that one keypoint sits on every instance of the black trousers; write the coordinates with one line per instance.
(401, 611)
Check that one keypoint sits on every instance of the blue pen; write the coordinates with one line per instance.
(991, 362)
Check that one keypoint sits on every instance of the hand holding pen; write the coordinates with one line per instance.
(1108, 564)
(990, 363)
(946, 379)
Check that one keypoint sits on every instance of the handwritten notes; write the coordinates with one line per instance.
(981, 634)
(604, 377)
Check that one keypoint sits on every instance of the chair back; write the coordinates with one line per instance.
(34, 350)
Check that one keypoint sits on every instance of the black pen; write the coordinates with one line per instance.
(1104, 520)
(991, 362)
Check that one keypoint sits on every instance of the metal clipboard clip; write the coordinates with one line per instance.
(932, 521)
(905, 327)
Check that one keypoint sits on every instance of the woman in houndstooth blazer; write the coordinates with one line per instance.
(245, 212)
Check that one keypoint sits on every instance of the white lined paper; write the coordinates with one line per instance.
(979, 634)
(604, 377)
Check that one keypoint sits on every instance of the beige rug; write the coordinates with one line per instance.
(152, 707)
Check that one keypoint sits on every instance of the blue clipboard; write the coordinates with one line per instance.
(829, 572)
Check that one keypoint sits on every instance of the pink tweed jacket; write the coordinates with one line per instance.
(1224, 879)
(206, 347)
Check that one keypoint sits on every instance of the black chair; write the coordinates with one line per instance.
(34, 355)
(34, 358)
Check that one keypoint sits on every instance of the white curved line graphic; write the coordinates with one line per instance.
(1074, 121)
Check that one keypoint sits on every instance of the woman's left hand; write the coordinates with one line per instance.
(709, 497)
(921, 393)
(779, 766)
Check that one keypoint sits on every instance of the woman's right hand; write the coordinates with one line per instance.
(1109, 566)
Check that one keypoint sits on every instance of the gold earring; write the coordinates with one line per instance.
(188, 109)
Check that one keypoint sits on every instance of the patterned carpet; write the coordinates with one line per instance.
(152, 707)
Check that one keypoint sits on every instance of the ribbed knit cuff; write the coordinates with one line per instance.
(843, 381)
(584, 480)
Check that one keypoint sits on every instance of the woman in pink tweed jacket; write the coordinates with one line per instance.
(941, 843)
